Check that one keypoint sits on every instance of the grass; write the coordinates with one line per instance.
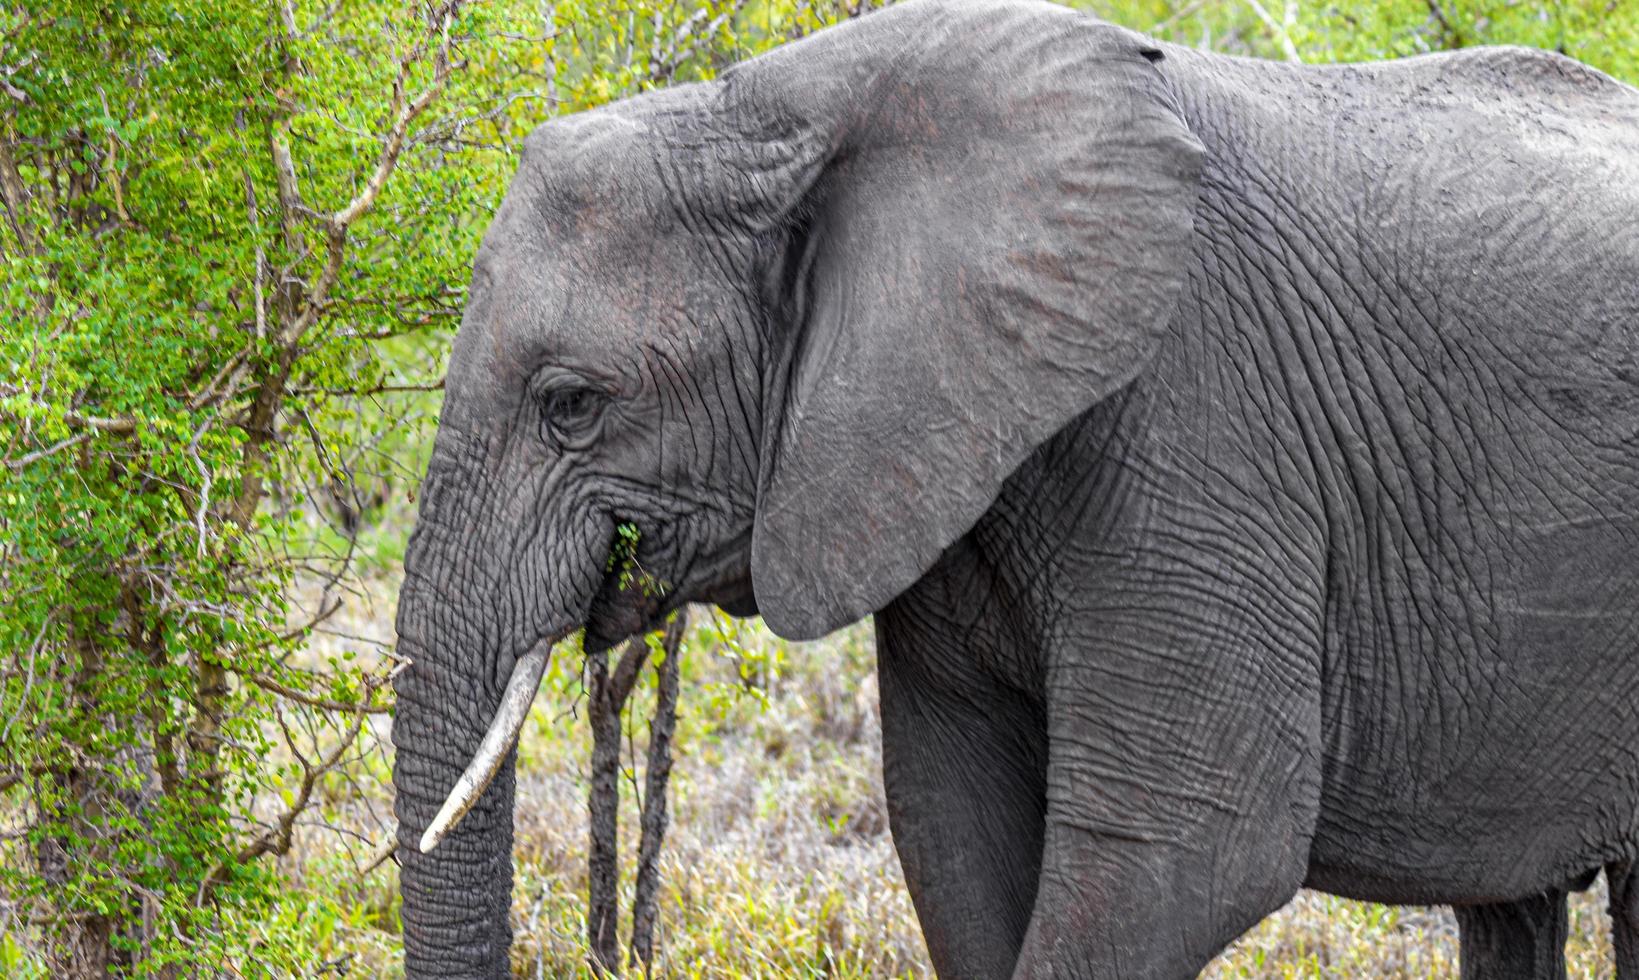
(778, 863)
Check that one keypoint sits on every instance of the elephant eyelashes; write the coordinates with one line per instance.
(569, 415)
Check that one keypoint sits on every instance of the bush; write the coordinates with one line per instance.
(215, 214)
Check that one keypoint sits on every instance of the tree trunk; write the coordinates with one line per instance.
(645, 902)
(603, 861)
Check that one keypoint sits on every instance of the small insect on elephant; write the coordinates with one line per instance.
(1241, 461)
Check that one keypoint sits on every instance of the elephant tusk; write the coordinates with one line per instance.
(492, 751)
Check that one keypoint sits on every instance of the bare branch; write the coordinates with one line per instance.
(290, 195)
(277, 838)
(40, 454)
(1281, 31)
(224, 379)
(380, 855)
(1188, 10)
(14, 195)
(373, 390)
(336, 225)
(113, 426)
(394, 143)
(269, 684)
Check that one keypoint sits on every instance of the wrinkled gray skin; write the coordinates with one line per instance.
(1241, 461)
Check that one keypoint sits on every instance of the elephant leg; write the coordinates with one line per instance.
(1183, 788)
(1623, 879)
(962, 765)
(1521, 940)
(1122, 900)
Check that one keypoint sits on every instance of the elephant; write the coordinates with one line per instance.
(1239, 459)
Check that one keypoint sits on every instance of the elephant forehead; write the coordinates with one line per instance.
(546, 219)
(586, 302)
(590, 259)
(603, 168)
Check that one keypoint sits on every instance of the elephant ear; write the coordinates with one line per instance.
(987, 209)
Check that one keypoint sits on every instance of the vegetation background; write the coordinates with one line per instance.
(234, 242)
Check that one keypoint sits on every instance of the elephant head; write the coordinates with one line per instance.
(796, 326)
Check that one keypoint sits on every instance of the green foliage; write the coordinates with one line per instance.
(1599, 32)
(623, 557)
(236, 235)
(214, 218)
(1603, 33)
(607, 49)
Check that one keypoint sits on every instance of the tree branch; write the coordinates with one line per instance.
(272, 686)
(113, 426)
(1281, 31)
(337, 225)
(277, 838)
(39, 454)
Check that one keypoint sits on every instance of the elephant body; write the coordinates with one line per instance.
(1291, 540)
(1342, 592)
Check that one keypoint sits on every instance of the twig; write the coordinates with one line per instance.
(28, 683)
(384, 851)
(269, 684)
(40, 454)
(1450, 37)
(336, 225)
(376, 390)
(1282, 32)
(1187, 10)
(112, 426)
(277, 839)
(229, 367)
(14, 195)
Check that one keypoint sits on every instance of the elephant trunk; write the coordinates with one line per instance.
(479, 610)
(457, 896)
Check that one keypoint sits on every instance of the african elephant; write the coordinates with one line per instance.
(1241, 461)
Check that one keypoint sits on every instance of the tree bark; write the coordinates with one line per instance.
(655, 819)
(607, 694)
(603, 861)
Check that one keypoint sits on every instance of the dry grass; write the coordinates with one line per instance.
(1322, 936)
(779, 862)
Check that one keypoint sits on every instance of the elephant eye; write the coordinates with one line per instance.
(568, 413)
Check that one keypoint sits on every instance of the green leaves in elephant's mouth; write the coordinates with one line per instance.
(630, 599)
(623, 552)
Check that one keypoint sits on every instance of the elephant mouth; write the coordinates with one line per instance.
(625, 605)
(629, 604)
(620, 607)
